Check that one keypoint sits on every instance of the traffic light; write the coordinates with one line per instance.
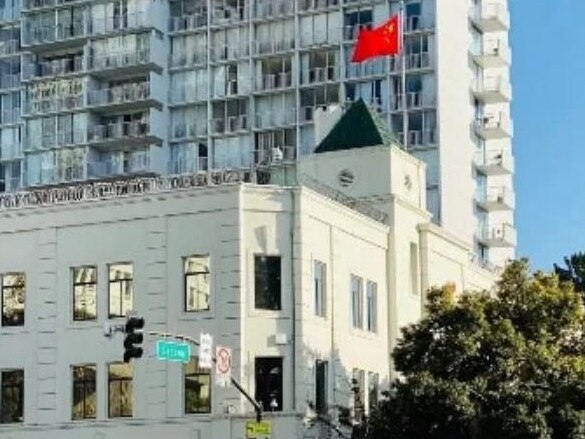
(133, 339)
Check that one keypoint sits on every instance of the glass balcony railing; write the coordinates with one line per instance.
(9, 47)
(494, 161)
(491, 17)
(278, 118)
(9, 81)
(54, 104)
(229, 52)
(414, 61)
(11, 116)
(499, 235)
(57, 67)
(494, 126)
(126, 93)
(116, 131)
(185, 59)
(36, 35)
(320, 75)
(120, 22)
(312, 5)
(265, 9)
(37, 4)
(181, 131)
(183, 166)
(225, 15)
(274, 156)
(231, 124)
(119, 60)
(418, 138)
(8, 14)
(492, 89)
(366, 69)
(274, 46)
(132, 164)
(414, 101)
(274, 81)
(188, 22)
(10, 152)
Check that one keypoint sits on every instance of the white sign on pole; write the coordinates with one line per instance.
(205, 351)
(223, 366)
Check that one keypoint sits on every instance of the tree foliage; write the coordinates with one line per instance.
(574, 271)
(506, 364)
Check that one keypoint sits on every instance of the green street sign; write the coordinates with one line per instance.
(258, 430)
(173, 351)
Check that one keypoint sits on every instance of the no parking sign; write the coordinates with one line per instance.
(223, 366)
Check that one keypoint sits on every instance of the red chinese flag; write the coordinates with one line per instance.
(381, 41)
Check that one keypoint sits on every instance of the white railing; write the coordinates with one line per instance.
(490, 12)
(320, 74)
(278, 118)
(310, 5)
(275, 81)
(132, 92)
(10, 81)
(414, 100)
(274, 46)
(35, 34)
(274, 156)
(56, 67)
(494, 121)
(229, 52)
(9, 47)
(123, 59)
(414, 61)
(273, 8)
(370, 68)
(188, 22)
(183, 59)
(118, 131)
(189, 130)
(114, 23)
(492, 84)
(230, 124)
(55, 103)
(494, 158)
(504, 234)
(418, 138)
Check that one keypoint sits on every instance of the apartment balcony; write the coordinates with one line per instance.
(10, 14)
(276, 119)
(194, 166)
(366, 69)
(30, 5)
(229, 52)
(123, 98)
(123, 134)
(493, 54)
(351, 32)
(279, 155)
(195, 22)
(49, 69)
(55, 37)
(229, 16)
(131, 165)
(494, 162)
(414, 62)
(129, 62)
(320, 75)
(10, 152)
(497, 199)
(316, 5)
(230, 125)
(10, 117)
(494, 126)
(414, 101)
(9, 47)
(491, 17)
(186, 131)
(121, 23)
(54, 104)
(419, 138)
(9, 82)
(55, 175)
(497, 236)
(274, 81)
(184, 59)
(188, 94)
(274, 47)
(492, 90)
(273, 9)
(417, 24)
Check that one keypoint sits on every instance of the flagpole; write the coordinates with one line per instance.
(403, 50)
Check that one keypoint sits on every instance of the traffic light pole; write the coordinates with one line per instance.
(236, 383)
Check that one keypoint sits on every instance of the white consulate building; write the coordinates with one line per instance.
(212, 166)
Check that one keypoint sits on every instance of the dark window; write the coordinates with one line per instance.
(372, 306)
(197, 283)
(357, 298)
(84, 293)
(197, 388)
(13, 292)
(359, 384)
(120, 289)
(267, 282)
(373, 390)
(84, 396)
(120, 390)
(12, 398)
(319, 278)
(268, 372)
(321, 378)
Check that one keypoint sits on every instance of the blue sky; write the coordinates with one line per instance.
(548, 76)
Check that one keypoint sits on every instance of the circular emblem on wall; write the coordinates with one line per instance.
(345, 178)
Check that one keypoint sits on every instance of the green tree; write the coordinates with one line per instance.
(506, 364)
(574, 271)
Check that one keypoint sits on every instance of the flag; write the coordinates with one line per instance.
(380, 41)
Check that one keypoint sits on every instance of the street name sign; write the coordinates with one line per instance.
(173, 351)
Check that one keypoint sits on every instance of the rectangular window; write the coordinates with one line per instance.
(413, 268)
(359, 383)
(267, 283)
(320, 276)
(84, 392)
(84, 293)
(268, 372)
(120, 289)
(120, 390)
(373, 390)
(321, 386)
(372, 306)
(357, 300)
(13, 294)
(197, 388)
(197, 283)
(12, 397)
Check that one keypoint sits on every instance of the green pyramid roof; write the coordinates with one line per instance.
(359, 127)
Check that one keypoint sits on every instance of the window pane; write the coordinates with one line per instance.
(197, 388)
(121, 271)
(269, 383)
(84, 293)
(84, 392)
(321, 386)
(13, 299)
(12, 397)
(120, 289)
(373, 390)
(372, 306)
(267, 282)
(356, 301)
(320, 288)
(120, 390)
(197, 292)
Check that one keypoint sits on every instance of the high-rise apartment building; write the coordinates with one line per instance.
(98, 89)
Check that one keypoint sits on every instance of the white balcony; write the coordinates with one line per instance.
(131, 164)
(414, 62)
(278, 155)
(276, 119)
(493, 54)
(268, 9)
(497, 236)
(184, 131)
(54, 104)
(134, 61)
(121, 22)
(122, 134)
(188, 22)
(226, 15)
(492, 90)
(231, 124)
(126, 97)
(58, 67)
(8, 82)
(414, 101)
(419, 138)
(416, 23)
(497, 199)
(192, 59)
(55, 36)
(318, 75)
(494, 126)
(274, 46)
(367, 69)
(229, 52)
(494, 162)
(9, 47)
(491, 17)
(274, 81)
(316, 5)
